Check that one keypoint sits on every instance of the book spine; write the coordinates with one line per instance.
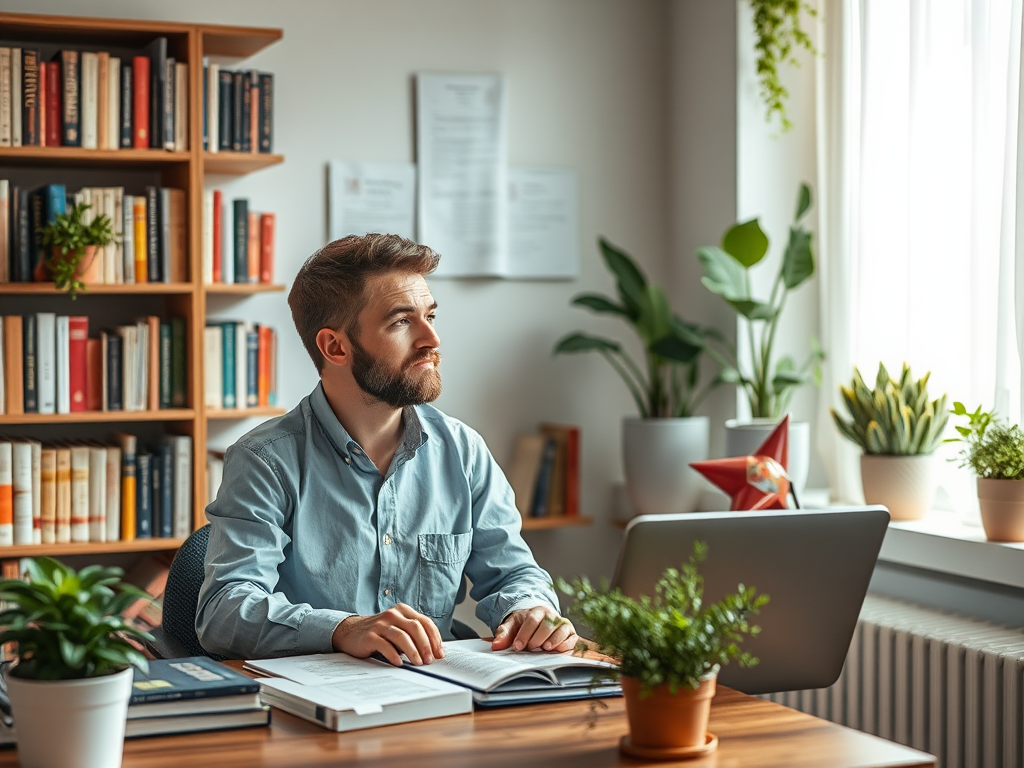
(225, 102)
(239, 89)
(178, 362)
(128, 241)
(21, 483)
(254, 112)
(113, 493)
(90, 99)
(266, 112)
(164, 233)
(241, 355)
(253, 261)
(69, 64)
(37, 218)
(140, 102)
(115, 372)
(78, 339)
(144, 496)
(114, 103)
(6, 493)
(228, 365)
(21, 249)
(30, 371)
(157, 51)
(5, 96)
(153, 358)
(212, 107)
(63, 354)
(63, 495)
(5, 231)
(30, 97)
(41, 87)
(97, 493)
(153, 234)
(128, 485)
(54, 109)
(182, 485)
(213, 395)
(157, 489)
(103, 126)
(252, 366)
(141, 238)
(177, 234)
(117, 224)
(46, 361)
(48, 496)
(218, 236)
(247, 112)
(16, 98)
(14, 383)
(263, 366)
(241, 240)
(538, 505)
(267, 227)
(126, 104)
(181, 86)
(37, 499)
(165, 365)
(80, 493)
(166, 491)
(207, 238)
(168, 111)
(272, 396)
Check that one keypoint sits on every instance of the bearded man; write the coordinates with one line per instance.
(349, 523)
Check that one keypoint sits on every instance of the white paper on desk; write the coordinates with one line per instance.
(461, 148)
(317, 668)
(543, 223)
(372, 197)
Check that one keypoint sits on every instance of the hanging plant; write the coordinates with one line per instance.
(778, 36)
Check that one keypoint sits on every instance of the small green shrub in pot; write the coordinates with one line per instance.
(74, 242)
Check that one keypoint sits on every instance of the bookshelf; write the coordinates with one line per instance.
(547, 523)
(186, 170)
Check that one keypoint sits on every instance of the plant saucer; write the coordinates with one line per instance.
(669, 753)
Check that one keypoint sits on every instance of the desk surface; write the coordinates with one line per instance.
(752, 733)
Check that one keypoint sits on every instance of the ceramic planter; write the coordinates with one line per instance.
(71, 723)
(665, 724)
(743, 437)
(657, 454)
(89, 269)
(903, 484)
(1002, 508)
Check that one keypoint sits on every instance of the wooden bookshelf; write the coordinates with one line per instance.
(186, 170)
(547, 523)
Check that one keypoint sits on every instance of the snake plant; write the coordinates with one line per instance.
(896, 418)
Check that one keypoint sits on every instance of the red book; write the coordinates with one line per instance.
(253, 251)
(218, 234)
(93, 375)
(43, 96)
(54, 108)
(140, 103)
(78, 336)
(263, 366)
(267, 248)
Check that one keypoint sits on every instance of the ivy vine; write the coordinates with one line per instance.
(778, 37)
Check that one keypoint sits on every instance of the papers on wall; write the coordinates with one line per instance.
(372, 197)
(461, 146)
(543, 228)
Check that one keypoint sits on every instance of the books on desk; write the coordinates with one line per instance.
(343, 693)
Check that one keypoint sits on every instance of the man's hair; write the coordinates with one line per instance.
(329, 291)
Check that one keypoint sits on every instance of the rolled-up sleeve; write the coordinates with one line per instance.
(240, 615)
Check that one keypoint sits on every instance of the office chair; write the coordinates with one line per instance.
(176, 637)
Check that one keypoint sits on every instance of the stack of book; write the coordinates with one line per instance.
(242, 252)
(93, 99)
(150, 236)
(545, 472)
(48, 364)
(238, 110)
(240, 364)
(92, 492)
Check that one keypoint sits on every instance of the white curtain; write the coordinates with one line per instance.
(917, 146)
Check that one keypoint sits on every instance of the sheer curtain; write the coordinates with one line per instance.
(917, 146)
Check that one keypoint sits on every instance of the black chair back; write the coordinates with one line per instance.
(181, 596)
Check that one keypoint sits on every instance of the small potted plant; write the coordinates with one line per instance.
(898, 428)
(768, 380)
(659, 445)
(994, 450)
(73, 675)
(669, 648)
(73, 242)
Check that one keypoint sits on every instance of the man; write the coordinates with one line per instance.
(348, 523)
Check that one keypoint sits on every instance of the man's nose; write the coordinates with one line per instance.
(428, 336)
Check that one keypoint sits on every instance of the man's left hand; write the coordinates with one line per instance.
(531, 628)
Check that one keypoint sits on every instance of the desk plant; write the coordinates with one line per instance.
(666, 388)
(669, 647)
(899, 429)
(75, 662)
(73, 243)
(994, 450)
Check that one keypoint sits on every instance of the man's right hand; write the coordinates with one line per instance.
(390, 633)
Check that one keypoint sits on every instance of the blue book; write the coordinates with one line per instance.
(144, 496)
(539, 503)
(228, 365)
(127, 97)
(240, 238)
(195, 677)
(163, 490)
(224, 108)
(252, 361)
(46, 203)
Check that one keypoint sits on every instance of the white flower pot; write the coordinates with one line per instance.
(71, 723)
(657, 454)
(743, 437)
(903, 484)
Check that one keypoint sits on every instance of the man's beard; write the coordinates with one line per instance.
(398, 387)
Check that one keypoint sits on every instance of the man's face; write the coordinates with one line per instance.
(395, 356)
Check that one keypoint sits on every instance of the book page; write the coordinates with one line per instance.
(372, 197)
(543, 223)
(317, 668)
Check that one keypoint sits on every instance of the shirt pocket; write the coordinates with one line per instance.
(443, 558)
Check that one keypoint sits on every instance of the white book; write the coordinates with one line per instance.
(80, 493)
(21, 481)
(213, 365)
(15, 98)
(63, 365)
(212, 108)
(63, 504)
(5, 97)
(109, 250)
(89, 84)
(241, 363)
(128, 234)
(117, 224)
(6, 491)
(180, 106)
(48, 495)
(114, 103)
(127, 334)
(113, 494)
(181, 513)
(98, 493)
(5, 232)
(208, 237)
(227, 248)
(46, 361)
(142, 366)
(37, 498)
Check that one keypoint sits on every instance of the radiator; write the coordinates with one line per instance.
(940, 683)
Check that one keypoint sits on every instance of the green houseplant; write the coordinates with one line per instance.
(73, 242)
(666, 387)
(994, 450)
(669, 648)
(74, 662)
(778, 34)
(899, 429)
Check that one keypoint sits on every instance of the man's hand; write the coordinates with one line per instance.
(532, 628)
(392, 632)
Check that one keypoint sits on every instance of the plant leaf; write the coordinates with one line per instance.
(630, 280)
(722, 274)
(746, 243)
(600, 304)
(582, 342)
(798, 261)
(803, 202)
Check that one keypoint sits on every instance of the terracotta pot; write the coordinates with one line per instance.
(903, 484)
(1002, 508)
(89, 269)
(664, 720)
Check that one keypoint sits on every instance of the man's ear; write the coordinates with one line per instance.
(334, 346)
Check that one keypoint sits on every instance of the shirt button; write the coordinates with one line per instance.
(357, 452)
(348, 460)
(387, 592)
(387, 540)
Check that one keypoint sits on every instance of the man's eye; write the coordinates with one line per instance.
(431, 317)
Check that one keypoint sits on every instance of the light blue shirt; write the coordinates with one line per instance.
(305, 531)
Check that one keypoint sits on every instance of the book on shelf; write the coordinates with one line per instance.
(544, 471)
(238, 110)
(240, 365)
(249, 255)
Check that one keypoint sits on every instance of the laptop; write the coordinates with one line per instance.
(814, 564)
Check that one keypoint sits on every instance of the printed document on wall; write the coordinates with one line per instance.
(543, 223)
(372, 197)
(461, 147)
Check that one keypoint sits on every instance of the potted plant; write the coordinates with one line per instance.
(777, 35)
(994, 450)
(898, 428)
(74, 662)
(660, 443)
(768, 380)
(669, 648)
(73, 242)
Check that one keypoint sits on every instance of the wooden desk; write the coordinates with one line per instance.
(752, 734)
